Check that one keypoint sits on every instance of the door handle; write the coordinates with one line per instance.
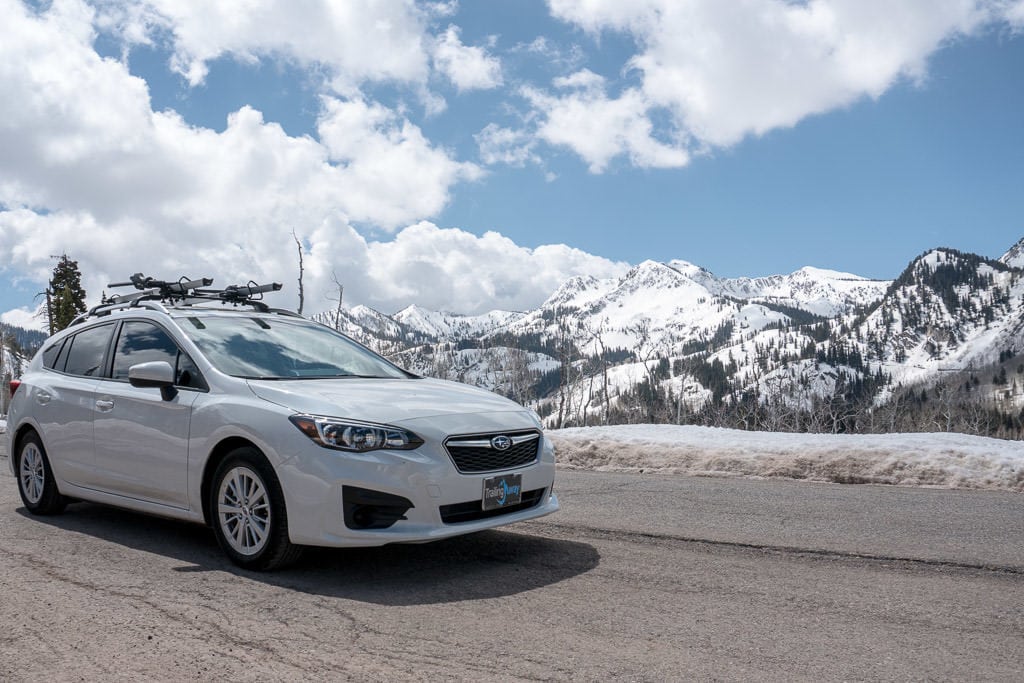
(104, 405)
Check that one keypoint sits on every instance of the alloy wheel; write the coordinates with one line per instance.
(32, 473)
(243, 510)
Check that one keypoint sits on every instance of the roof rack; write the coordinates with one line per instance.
(154, 293)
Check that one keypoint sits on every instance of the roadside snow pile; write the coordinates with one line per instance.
(3, 426)
(944, 460)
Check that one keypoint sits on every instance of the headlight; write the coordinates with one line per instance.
(346, 435)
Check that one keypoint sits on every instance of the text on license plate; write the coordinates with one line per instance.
(503, 491)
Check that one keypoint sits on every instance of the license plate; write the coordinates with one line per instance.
(503, 491)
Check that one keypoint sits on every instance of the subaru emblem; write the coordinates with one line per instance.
(501, 443)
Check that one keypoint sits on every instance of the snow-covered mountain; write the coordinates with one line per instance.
(947, 312)
(453, 326)
(681, 331)
(663, 305)
(671, 306)
(826, 293)
(1014, 256)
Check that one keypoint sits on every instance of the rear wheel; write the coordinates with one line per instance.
(36, 484)
(248, 512)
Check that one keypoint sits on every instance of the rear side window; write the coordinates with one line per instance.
(88, 349)
(50, 355)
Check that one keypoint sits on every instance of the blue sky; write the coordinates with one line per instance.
(473, 155)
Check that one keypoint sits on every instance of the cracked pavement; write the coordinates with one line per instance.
(639, 578)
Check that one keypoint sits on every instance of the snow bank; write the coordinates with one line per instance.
(943, 460)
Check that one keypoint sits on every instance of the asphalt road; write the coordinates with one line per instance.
(638, 578)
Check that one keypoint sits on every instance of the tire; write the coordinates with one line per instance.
(247, 512)
(36, 484)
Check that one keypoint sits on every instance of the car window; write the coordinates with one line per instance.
(50, 354)
(282, 348)
(88, 349)
(143, 342)
(187, 373)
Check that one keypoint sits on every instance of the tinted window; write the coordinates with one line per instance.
(88, 349)
(188, 373)
(142, 342)
(50, 354)
(281, 348)
(62, 357)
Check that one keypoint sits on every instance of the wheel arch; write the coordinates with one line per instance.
(221, 451)
(19, 434)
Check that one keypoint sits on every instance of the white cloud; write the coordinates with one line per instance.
(506, 146)
(600, 128)
(447, 269)
(584, 78)
(724, 71)
(356, 41)
(79, 135)
(450, 269)
(1015, 14)
(468, 67)
(390, 172)
(89, 169)
(24, 318)
(561, 58)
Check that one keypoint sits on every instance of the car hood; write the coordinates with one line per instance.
(382, 400)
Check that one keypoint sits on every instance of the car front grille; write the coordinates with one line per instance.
(476, 453)
(473, 510)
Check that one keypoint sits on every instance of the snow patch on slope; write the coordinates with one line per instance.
(451, 326)
(820, 291)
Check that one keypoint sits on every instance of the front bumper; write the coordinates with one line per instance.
(314, 483)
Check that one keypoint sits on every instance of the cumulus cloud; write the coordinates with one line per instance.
(356, 41)
(468, 67)
(447, 269)
(390, 172)
(1015, 14)
(79, 134)
(724, 71)
(91, 170)
(467, 273)
(600, 128)
(500, 145)
(24, 318)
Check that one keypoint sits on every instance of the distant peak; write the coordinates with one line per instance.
(826, 274)
(1014, 256)
(689, 269)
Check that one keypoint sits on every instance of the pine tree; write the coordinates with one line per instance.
(65, 296)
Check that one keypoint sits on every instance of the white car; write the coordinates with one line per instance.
(276, 431)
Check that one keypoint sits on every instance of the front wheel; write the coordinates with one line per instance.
(248, 513)
(36, 484)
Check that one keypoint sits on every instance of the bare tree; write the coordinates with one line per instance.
(597, 337)
(302, 291)
(5, 376)
(341, 295)
(566, 357)
(646, 349)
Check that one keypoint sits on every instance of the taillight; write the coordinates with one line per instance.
(15, 383)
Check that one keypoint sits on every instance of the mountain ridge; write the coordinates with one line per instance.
(675, 334)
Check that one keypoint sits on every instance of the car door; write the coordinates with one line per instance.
(140, 438)
(65, 398)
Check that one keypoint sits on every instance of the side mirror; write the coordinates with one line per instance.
(157, 374)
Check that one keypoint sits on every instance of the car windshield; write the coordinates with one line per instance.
(275, 347)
